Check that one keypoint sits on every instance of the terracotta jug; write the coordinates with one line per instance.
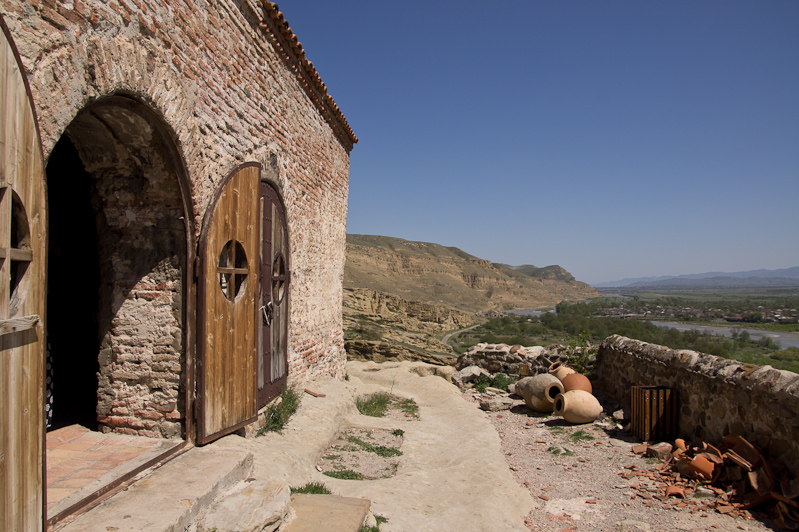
(539, 392)
(560, 370)
(577, 406)
(577, 381)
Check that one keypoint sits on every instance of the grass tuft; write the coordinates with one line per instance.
(581, 435)
(380, 520)
(312, 488)
(279, 412)
(500, 381)
(380, 450)
(345, 474)
(375, 405)
(408, 406)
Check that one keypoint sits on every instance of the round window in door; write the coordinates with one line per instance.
(279, 279)
(232, 270)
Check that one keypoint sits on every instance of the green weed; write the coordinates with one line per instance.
(345, 474)
(312, 488)
(581, 435)
(500, 381)
(380, 450)
(375, 405)
(380, 520)
(279, 412)
(557, 451)
(408, 406)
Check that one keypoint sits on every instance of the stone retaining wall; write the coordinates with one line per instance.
(717, 396)
(514, 360)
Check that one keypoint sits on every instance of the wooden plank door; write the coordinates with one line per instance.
(228, 292)
(22, 299)
(274, 289)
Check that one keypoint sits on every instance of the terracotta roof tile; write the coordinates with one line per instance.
(290, 49)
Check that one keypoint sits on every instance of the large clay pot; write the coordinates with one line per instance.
(559, 370)
(577, 406)
(577, 381)
(539, 392)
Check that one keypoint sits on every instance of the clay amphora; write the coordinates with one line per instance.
(560, 371)
(577, 381)
(577, 406)
(539, 392)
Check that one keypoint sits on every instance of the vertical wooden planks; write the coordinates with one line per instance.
(280, 299)
(22, 239)
(274, 280)
(654, 412)
(230, 283)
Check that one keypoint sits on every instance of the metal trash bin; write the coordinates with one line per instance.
(655, 411)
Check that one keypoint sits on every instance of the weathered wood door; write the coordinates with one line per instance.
(274, 289)
(22, 297)
(230, 256)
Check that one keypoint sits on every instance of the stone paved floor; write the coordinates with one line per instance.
(78, 457)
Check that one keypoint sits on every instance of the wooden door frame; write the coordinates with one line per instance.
(202, 257)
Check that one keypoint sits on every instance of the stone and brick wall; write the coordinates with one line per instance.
(225, 91)
(717, 396)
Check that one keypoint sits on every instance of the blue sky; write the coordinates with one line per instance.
(616, 139)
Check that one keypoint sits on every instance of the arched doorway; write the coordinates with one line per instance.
(117, 274)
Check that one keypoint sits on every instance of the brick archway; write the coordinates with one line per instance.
(119, 248)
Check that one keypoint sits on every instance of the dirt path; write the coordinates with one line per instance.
(575, 475)
(453, 333)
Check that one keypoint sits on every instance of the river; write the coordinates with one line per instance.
(530, 311)
(785, 339)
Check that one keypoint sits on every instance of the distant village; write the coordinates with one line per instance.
(760, 314)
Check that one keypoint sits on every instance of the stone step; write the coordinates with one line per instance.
(248, 506)
(168, 498)
(327, 513)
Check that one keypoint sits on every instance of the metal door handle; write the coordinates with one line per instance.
(266, 313)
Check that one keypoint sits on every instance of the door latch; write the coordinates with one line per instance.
(266, 313)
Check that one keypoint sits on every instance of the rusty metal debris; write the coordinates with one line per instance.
(735, 476)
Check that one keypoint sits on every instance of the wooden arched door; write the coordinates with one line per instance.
(229, 250)
(22, 297)
(244, 303)
(274, 290)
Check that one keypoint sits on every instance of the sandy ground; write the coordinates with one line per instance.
(577, 474)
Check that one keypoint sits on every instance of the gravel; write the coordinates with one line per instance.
(585, 477)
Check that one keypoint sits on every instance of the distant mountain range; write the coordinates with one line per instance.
(749, 279)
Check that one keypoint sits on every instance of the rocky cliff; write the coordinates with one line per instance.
(449, 277)
(384, 327)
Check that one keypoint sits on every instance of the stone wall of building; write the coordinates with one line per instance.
(224, 91)
(717, 396)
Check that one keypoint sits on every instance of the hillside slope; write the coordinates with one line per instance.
(431, 273)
